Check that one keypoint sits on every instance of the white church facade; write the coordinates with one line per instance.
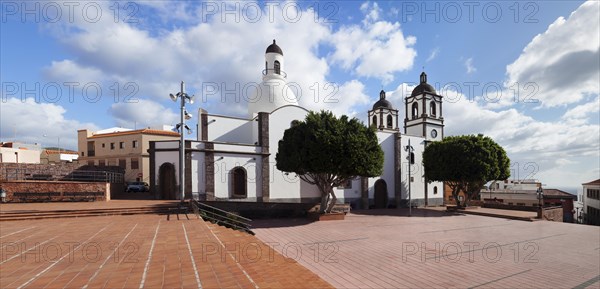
(233, 159)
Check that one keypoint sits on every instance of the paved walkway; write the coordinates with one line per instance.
(387, 249)
(141, 251)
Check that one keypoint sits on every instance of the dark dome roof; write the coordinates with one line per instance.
(274, 48)
(382, 102)
(423, 86)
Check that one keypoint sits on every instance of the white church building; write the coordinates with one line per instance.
(233, 158)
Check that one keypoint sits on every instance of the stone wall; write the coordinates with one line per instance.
(61, 171)
(554, 214)
(51, 191)
(510, 207)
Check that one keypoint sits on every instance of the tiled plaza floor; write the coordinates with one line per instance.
(387, 249)
(141, 251)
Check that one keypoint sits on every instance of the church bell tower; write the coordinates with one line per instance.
(423, 112)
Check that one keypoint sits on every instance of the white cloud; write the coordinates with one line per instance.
(222, 54)
(28, 121)
(371, 11)
(581, 114)
(144, 113)
(375, 48)
(433, 54)
(563, 61)
(469, 65)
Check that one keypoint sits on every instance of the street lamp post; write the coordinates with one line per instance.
(540, 197)
(409, 149)
(181, 127)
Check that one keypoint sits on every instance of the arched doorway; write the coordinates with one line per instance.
(166, 182)
(239, 183)
(381, 196)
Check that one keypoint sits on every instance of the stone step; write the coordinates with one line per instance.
(32, 215)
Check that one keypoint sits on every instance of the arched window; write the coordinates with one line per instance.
(374, 120)
(432, 111)
(277, 67)
(239, 182)
(435, 190)
(415, 110)
(412, 158)
(266, 67)
(389, 121)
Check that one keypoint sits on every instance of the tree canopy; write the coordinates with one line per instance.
(465, 163)
(327, 151)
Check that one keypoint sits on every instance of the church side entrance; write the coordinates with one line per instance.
(166, 181)
(381, 196)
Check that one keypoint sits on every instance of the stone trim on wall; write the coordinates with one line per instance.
(209, 175)
(263, 141)
(364, 192)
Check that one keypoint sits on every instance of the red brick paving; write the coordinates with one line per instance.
(373, 249)
(387, 249)
(141, 250)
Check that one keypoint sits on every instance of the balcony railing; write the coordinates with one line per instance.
(281, 72)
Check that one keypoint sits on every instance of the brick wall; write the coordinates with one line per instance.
(18, 191)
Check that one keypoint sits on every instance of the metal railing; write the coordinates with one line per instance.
(221, 217)
(19, 174)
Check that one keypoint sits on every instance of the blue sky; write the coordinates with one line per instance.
(101, 64)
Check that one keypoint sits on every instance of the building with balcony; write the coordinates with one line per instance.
(126, 148)
(591, 202)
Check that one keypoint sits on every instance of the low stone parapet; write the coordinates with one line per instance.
(55, 191)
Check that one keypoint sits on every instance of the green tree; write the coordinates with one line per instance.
(327, 151)
(465, 163)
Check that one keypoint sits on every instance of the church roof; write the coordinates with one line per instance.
(274, 48)
(382, 102)
(423, 86)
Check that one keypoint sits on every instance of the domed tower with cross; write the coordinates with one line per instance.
(383, 115)
(423, 112)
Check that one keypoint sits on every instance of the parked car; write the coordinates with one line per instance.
(137, 187)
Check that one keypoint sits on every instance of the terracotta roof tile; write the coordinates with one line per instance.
(596, 182)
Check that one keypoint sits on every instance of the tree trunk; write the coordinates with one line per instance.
(332, 201)
(455, 192)
(324, 199)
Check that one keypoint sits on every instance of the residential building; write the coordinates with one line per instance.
(591, 202)
(529, 198)
(122, 147)
(233, 158)
(524, 185)
(22, 153)
(49, 156)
